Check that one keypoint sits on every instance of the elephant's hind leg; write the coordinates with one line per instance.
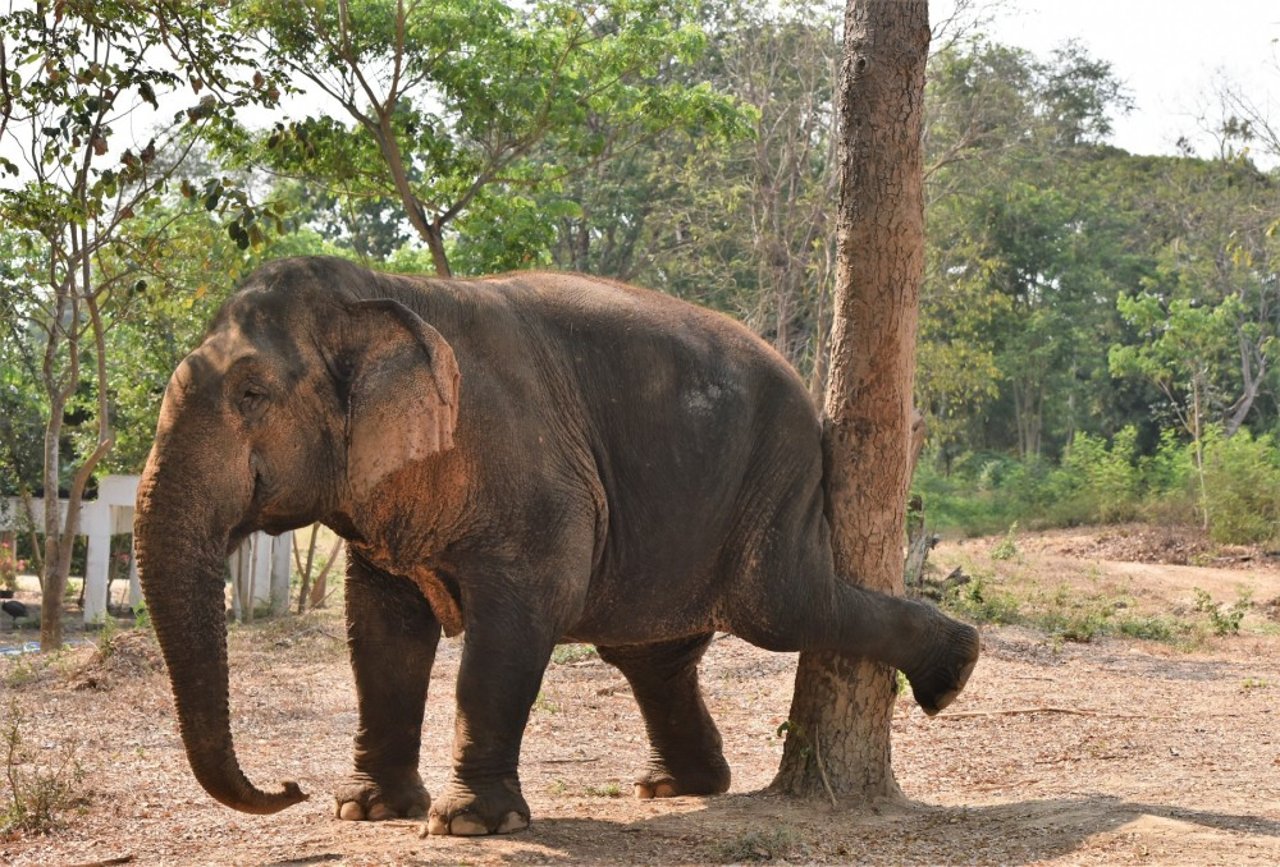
(392, 636)
(685, 756)
(936, 652)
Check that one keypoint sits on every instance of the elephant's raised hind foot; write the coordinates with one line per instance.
(936, 683)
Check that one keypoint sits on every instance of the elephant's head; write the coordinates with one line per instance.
(307, 390)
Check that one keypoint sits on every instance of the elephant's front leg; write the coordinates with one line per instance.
(392, 636)
(504, 655)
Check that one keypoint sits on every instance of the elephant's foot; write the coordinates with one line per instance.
(937, 684)
(362, 798)
(475, 809)
(672, 779)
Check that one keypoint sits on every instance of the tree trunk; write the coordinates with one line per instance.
(429, 231)
(1028, 407)
(838, 738)
(1197, 434)
(320, 589)
(1251, 384)
(53, 577)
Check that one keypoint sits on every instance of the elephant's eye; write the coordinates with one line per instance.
(252, 399)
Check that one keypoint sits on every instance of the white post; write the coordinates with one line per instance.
(135, 588)
(97, 562)
(237, 564)
(261, 569)
(281, 550)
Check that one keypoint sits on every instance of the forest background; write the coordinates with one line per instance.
(1098, 329)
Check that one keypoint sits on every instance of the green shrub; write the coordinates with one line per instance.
(1101, 482)
(1170, 469)
(1225, 621)
(977, 601)
(1148, 628)
(1007, 548)
(1028, 486)
(1071, 617)
(1242, 488)
(1096, 482)
(967, 501)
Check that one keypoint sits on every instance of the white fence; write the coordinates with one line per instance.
(259, 569)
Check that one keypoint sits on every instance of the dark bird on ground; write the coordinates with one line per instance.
(14, 609)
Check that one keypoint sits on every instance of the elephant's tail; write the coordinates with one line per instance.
(830, 479)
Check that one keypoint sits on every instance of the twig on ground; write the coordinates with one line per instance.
(321, 631)
(570, 761)
(1045, 709)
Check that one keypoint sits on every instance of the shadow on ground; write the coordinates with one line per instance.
(762, 827)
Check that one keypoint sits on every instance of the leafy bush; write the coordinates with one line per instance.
(969, 500)
(564, 654)
(1242, 488)
(1007, 548)
(1080, 626)
(1148, 628)
(1225, 621)
(1099, 482)
(1171, 467)
(976, 601)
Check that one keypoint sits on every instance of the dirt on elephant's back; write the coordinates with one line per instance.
(1113, 751)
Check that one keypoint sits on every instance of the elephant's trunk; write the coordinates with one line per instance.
(180, 564)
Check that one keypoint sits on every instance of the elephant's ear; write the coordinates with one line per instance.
(403, 392)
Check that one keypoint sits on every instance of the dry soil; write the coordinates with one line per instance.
(1115, 750)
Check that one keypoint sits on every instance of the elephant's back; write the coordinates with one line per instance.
(694, 424)
(637, 323)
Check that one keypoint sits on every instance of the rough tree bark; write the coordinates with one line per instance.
(838, 734)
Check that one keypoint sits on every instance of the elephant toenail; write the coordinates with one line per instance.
(513, 822)
(380, 813)
(350, 811)
(467, 826)
(437, 825)
(643, 792)
(664, 790)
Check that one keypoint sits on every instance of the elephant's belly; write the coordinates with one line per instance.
(641, 612)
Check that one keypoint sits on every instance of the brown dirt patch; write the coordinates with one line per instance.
(1170, 546)
(1116, 751)
(117, 660)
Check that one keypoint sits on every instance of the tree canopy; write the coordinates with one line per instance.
(1071, 289)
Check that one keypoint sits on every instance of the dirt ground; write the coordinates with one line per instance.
(1118, 750)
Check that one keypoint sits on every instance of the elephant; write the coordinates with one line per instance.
(526, 459)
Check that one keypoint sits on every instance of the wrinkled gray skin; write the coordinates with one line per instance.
(533, 458)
